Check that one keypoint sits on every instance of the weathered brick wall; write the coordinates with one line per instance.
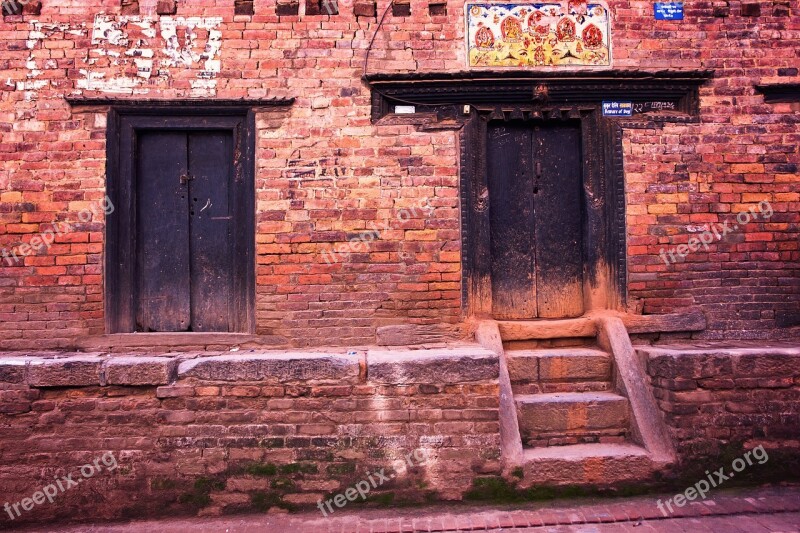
(682, 179)
(717, 401)
(254, 431)
(226, 433)
(325, 173)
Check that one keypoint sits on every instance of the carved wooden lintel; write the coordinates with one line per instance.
(522, 89)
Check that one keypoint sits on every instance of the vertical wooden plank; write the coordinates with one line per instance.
(559, 220)
(510, 179)
(212, 258)
(162, 233)
(479, 218)
(120, 311)
(243, 317)
(475, 230)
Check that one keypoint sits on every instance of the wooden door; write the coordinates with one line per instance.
(184, 258)
(534, 176)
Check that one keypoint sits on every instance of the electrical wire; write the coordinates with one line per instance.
(383, 94)
(374, 35)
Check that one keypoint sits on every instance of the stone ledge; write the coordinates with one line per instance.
(139, 371)
(82, 370)
(71, 371)
(385, 366)
(12, 369)
(690, 362)
(274, 367)
(454, 365)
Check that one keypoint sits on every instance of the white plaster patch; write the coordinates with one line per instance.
(158, 44)
(180, 37)
(94, 82)
(133, 54)
(32, 85)
(144, 67)
(202, 88)
(36, 66)
(109, 30)
(146, 25)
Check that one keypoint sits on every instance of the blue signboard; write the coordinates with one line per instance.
(668, 10)
(617, 109)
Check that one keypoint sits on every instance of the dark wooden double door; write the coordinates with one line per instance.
(535, 181)
(185, 264)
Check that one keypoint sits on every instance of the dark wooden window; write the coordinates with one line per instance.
(437, 9)
(287, 8)
(322, 7)
(243, 7)
(401, 8)
(777, 93)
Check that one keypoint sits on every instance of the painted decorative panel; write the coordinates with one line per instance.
(574, 33)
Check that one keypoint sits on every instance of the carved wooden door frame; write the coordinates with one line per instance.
(601, 210)
(471, 99)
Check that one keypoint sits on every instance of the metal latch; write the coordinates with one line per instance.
(186, 178)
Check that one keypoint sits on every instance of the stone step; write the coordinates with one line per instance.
(587, 464)
(578, 386)
(550, 344)
(558, 365)
(569, 417)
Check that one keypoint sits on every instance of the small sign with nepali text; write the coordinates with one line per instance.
(668, 10)
(617, 109)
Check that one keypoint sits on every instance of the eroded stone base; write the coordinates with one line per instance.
(216, 433)
(255, 431)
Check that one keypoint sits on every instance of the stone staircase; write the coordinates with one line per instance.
(575, 410)
(565, 396)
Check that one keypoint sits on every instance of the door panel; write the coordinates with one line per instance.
(185, 257)
(510, 181)
(558, 228)
(164, 298)
(211, 230)
(535, 182)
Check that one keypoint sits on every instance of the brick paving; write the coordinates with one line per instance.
(753, 510)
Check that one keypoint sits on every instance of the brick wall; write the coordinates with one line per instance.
(325, 173)
(227, 433)
(219, 434)
(719, 401)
